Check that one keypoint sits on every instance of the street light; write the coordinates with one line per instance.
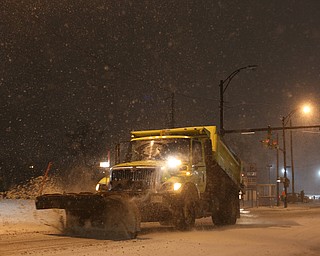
(223, 87)
(306, 109)
(285, 119)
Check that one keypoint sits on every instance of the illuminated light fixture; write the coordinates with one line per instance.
(188, 173)
(176, 186)
(173, 162)
(97, 187)
(306, 109)
(105, 164)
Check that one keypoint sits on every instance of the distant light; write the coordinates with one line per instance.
(105, 164)
(306, 109)
(247, 133)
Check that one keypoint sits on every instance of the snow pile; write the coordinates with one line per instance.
(21, 216)
(33, 187)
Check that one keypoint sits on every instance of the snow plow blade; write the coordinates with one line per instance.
(113, 216)
(69, 201)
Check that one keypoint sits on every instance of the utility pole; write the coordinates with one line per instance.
(292, 162)
(221, 108)
(270, 187)
(172, 111)
(284, 163)
(278, 178)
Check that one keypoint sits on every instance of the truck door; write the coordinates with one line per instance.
(198, 165)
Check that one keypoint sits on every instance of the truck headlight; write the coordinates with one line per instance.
(173, 162)
(176, 186)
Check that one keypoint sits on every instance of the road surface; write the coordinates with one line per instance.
(260, 231)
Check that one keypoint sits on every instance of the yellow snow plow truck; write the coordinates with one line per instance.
(170, 176)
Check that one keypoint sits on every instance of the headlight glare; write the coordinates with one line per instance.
(176, 186)
(173, 162)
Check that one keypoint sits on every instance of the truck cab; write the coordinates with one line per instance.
(160, 163)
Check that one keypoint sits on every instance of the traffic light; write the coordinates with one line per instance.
(285, 181)
(268, 142)
(265, 142)
(274, 144)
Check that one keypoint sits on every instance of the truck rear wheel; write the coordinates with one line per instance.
(225, 212)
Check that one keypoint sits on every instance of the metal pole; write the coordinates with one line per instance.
(223, 88)
(292, 162)
(270, 187)
(221, 108)
(172, 121)
(284, 162)
(278, 201)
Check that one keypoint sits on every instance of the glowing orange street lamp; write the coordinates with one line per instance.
(306, 109)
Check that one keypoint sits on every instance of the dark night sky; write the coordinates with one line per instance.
(113, 64)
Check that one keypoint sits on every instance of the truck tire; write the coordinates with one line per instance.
(232, 213)
(185, 212)
(189, 213)
(225, 212)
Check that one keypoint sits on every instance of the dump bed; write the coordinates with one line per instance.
(222, 154)
(227, 161)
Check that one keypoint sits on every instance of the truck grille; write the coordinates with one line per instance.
(133, 179)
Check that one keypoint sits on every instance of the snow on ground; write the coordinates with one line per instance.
(20, 215)
(260, 231)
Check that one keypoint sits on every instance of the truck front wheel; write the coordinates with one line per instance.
(189, 213)
(185, 213)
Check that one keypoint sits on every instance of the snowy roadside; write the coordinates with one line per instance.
(21, 216)
(290, 207)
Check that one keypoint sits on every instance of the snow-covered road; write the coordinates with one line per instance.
(260, 231)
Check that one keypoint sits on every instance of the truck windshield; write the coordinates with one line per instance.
(159, 149)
